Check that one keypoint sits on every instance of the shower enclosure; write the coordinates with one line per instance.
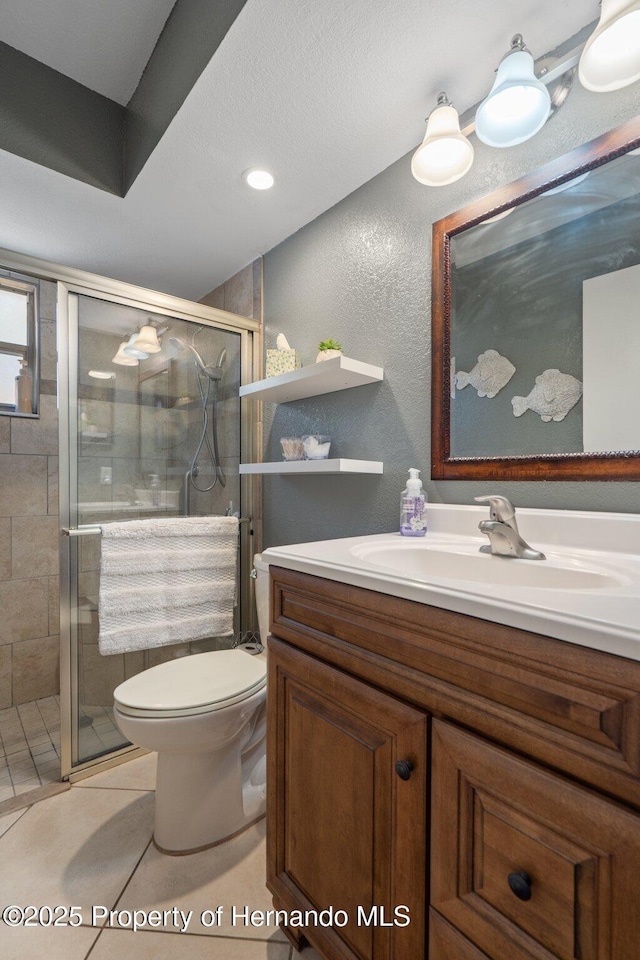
(142, 434)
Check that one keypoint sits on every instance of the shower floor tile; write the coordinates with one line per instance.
(29, 747)
(30, 743)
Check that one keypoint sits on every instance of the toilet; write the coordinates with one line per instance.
(205, 715)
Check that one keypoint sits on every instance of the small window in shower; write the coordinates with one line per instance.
(18, 347)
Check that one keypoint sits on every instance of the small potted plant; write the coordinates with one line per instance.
(328, 349)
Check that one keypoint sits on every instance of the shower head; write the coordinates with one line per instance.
(214, 373)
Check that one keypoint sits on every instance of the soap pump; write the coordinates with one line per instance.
(413, 513)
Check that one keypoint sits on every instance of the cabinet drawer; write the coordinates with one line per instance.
(572, 856)
(567, 706)
(447, 943)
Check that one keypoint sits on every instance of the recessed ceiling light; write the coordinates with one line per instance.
(101, 375)
(258, 179)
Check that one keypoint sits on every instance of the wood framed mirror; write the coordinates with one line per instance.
(536, 323)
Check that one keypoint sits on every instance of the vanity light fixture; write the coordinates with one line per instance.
(258, 178)
(123, 359)
(147, 340)
(518, 105)
(611, 57)
(131, 349)
(445, 154)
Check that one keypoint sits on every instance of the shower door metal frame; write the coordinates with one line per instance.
(72, 283)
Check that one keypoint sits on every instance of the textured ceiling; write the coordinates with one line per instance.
(103, 44)
(325, 94)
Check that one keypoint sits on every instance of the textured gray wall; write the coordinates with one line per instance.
(361, 273)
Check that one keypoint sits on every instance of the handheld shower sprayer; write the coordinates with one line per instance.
(213, 375)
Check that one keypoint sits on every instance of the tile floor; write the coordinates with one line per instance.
(91, 846)
(29, 746)
(30, 743)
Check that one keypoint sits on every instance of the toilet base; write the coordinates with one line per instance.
(207, 846)
(211, 778)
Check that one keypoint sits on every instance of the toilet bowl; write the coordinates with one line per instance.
(205, 715)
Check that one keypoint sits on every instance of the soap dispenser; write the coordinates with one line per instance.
(413, 508)
(24, 389)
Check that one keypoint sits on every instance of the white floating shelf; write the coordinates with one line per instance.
(339, 373)
(313, 466)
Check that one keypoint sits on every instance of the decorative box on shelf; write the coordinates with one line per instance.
(282, 361)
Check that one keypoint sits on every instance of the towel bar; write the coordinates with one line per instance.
(90, 530)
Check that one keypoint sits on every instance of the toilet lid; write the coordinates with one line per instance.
(191, 685)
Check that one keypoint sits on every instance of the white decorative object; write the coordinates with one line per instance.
(552, 397)
(491, 373)
(284, 359)
(327, 355)
(316, 447)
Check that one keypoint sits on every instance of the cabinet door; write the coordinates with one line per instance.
(526, 864)
(344, 830)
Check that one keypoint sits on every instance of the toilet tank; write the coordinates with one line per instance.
(262, 595)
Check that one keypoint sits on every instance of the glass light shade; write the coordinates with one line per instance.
(122, 358)
(147, 340)
(131, 349)
(611, 57)
(445, 154)
(517, 106)
(101, 375)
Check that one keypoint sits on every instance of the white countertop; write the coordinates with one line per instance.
(602, 547)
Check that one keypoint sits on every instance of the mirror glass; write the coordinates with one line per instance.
(537, 329)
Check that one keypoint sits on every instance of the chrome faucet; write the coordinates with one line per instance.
(502, 530)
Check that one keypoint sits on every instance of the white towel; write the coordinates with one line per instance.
(165, 581)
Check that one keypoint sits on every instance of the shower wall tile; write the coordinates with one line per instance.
(37, 436)
(5, 434)
(241, 293)
(54, 606)
(23, 485)
(89, 549)
(29, 534)
(215, 298)
(36, 669)
(90, 488)
(48, 351)
(5, 677)
(25, 609)
(99, 676)
(48, 292)
(52, 485)
(5, 549)
(34, 547)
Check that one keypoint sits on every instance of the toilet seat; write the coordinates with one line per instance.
(192, 685)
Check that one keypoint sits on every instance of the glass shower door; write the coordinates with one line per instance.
(159, 437)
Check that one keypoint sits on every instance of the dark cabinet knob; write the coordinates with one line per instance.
(404, 768)
(520, 884)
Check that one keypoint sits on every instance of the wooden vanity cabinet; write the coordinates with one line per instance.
(516, 833)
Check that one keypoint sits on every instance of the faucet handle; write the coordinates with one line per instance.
(500, 508)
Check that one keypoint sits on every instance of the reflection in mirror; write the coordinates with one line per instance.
(536, 339)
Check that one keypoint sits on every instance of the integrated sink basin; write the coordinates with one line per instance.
(429, 561)
(586, 591)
